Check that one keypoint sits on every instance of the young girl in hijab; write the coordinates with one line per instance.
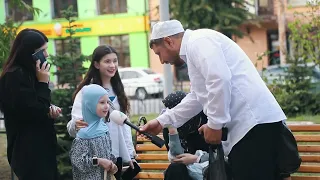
(90, 153)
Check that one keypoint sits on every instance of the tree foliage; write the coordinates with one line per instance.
(69, 74)
(298, 91)
(225, 16)
(8, 29)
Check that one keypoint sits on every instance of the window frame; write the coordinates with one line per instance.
(59, 16)
(110, 4)
(123, 50)
(22, 12)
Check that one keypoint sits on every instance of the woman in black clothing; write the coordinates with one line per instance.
(25, 103)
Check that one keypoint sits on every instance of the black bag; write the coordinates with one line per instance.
(288, 157)
(216, 169)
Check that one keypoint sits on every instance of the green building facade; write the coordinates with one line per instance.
(123, 24)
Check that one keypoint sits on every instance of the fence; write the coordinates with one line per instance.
(151, 103)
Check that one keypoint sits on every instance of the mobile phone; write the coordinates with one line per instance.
(39, 56)
(130, 173)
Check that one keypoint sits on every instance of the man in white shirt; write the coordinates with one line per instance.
(227, 87)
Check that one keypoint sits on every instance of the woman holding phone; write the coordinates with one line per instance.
(25, 103)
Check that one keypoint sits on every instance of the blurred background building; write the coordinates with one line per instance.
(123, 24)
(126, 25)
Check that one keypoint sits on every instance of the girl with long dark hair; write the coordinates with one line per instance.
(104, 72)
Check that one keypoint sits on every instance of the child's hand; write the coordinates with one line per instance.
(186, 159)
(172, 130)
(105, 163)
(114, 169)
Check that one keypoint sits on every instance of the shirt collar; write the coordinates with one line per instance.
(183, 48)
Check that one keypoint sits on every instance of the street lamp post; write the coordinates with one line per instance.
(168, 76)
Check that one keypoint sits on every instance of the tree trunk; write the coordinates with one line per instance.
(282, 32)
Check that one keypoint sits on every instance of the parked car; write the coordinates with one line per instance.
(278, 72)
(141, 82)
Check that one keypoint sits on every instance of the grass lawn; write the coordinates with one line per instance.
(315, 119)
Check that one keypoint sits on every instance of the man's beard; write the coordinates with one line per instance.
(179, 63)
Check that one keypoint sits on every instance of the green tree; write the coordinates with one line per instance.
(306, 36)
(69, 74)
(296, 91)
(8, 29)
(225, 16)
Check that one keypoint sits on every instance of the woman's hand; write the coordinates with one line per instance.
(186, 158)
(54, 111)
(42, 72)
(80, 124)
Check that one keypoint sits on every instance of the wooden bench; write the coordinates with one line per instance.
(154, 160)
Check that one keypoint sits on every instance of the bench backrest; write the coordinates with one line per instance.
(308, 139)
(154, 160)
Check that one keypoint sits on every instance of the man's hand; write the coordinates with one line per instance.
(131, 163)
(186, 158)
(153, 127)
(211, 136)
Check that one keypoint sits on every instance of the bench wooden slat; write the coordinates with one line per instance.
(154, 166)
(310, 158)
(309, 168)
(303, 148)
(307, 138)
(305, 128)
(152, 157)
(150, 175)
(143, 139)
(149, 147)
(305, 178)
(309, 148)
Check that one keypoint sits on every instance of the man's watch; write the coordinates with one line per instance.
(95, 161)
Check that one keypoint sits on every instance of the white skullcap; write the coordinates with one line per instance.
(166, 28)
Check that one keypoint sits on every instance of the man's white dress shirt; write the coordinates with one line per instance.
(225, 85)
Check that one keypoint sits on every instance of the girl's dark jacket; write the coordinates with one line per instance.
(31, 136)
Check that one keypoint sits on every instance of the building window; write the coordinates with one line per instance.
(121, 45)
(18, 14)
(274, 47)
(297, 2)
(265, 7)
(62, 46)
(112, 6)
(59, 5)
